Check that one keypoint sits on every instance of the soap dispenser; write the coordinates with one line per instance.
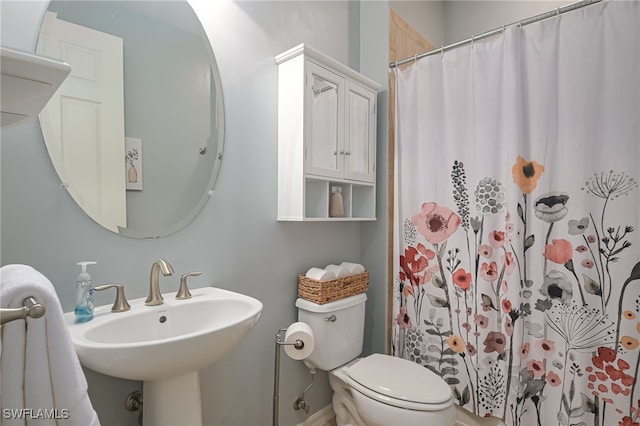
(84, 294)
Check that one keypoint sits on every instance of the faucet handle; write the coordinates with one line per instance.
(183, 291)
(121, 304)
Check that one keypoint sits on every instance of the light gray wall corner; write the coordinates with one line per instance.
(374, 42)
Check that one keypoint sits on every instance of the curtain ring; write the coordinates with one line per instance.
(473, 40)
(558, 11)
(415, 58)
(442, 50)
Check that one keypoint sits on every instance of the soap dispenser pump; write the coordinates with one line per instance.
(84, 294)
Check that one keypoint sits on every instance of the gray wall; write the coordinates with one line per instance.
(447, 21)
(236, 240)
(464, 19)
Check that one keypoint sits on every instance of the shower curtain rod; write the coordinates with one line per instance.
(496, 31)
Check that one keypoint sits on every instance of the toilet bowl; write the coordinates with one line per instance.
(378, 389)
(382, 390)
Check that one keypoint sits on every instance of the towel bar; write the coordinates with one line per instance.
(30, 309)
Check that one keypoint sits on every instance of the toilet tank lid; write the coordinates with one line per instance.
(400, 379)
(336, 305)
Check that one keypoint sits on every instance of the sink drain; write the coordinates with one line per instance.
(162, 319)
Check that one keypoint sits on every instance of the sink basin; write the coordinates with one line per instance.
(160, 342)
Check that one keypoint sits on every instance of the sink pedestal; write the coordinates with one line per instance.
(174, 401)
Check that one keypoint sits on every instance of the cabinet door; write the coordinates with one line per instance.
(324, 124)
(360, 146)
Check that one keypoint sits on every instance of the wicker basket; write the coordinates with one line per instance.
(322, 292)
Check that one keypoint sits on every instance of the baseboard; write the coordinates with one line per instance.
(320, 417)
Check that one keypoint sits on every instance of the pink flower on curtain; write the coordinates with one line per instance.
(481, 321)
(489, 271)
(553, 379)
(497, 239)
(495, 342)
(436, 223)
(509, 262)
(523, 353)
(507, 306)
(535, 368)
(547, 346)
(559, 251)
(403, 319)
(587, 263)
(485, 250)
(508, 328)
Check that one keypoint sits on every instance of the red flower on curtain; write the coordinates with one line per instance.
(607, 373)
(462, 279)
(628, 421)
(414, 264)
(497, 238)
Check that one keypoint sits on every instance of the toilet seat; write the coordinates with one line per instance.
(400, 383)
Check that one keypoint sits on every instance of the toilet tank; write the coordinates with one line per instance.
(338, 330)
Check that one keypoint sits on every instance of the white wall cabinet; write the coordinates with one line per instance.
(27, 82)
(326, 137)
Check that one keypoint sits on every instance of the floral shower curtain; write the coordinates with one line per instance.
(517, 219)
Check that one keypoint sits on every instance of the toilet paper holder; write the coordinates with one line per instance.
(298, 344)
(279, 341)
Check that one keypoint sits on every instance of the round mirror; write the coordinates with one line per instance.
(136, 131)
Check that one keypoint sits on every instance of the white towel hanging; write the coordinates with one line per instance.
(38, 357)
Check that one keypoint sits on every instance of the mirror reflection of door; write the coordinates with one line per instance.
(83, 124)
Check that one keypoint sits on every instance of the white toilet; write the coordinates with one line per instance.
(376, 390)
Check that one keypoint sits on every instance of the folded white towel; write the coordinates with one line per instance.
(39, 366)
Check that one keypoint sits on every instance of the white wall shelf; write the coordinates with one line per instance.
(27, 82)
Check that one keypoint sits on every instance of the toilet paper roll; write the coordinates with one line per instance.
(319, 274)
(354, 268)
(302, 332)
(340, 271)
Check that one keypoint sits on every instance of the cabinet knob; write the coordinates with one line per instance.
(348, 153)
(342, 152)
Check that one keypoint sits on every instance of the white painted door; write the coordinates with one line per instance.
(83, 124)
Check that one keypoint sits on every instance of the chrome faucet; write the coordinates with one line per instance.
(155, 298)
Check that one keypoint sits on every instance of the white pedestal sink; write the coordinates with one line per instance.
(165, 346)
